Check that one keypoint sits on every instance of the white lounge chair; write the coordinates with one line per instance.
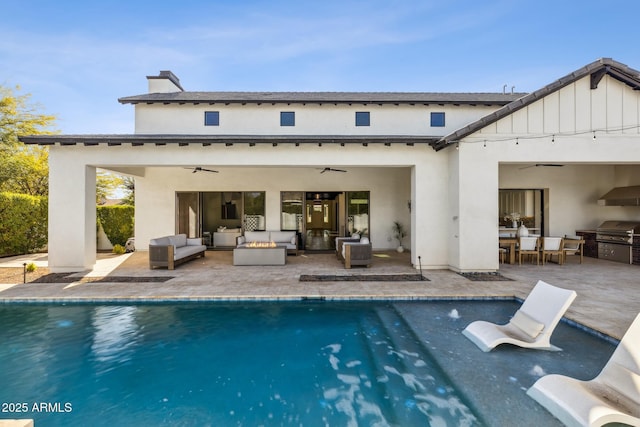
(611, 397)
(531, 326)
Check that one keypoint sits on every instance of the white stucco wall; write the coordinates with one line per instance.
(556, 129)
(310, 119)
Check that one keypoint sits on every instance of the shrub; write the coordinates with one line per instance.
(117, 222)
(31, 267)
(118, 249)
(23, 223)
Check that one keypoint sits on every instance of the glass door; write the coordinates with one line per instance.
(358, 212)
(321, 220)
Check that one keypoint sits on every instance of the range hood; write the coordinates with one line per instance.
(621, 196)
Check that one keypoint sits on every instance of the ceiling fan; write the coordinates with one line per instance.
(332, 170)
(537, 165)
(201, 169)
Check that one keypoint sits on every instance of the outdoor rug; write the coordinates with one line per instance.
(69, 278)
(485, 277)
(362, 278)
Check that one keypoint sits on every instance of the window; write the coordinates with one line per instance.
(212, 118)
(254, 210)
(291, 210)
(437, 119)
(287, 118)
(362, 118)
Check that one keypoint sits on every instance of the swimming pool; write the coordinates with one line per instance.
(307, 363)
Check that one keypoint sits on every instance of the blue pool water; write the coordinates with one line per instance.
(334, 364)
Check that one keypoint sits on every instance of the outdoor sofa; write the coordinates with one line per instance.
(170, 251)
(280, 238)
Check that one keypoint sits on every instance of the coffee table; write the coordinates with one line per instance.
(260, 256)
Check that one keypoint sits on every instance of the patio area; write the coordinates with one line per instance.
(608, 297)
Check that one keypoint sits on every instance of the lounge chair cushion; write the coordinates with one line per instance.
(527, 324)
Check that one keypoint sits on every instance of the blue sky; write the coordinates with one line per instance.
(76, 58)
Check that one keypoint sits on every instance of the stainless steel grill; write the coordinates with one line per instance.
(615, 240)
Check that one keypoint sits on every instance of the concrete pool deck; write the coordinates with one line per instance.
(608, 292)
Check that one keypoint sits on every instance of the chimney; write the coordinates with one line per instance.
(165, 82)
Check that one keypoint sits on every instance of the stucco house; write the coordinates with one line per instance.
(450, 166)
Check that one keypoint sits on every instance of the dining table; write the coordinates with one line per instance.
(511, 242)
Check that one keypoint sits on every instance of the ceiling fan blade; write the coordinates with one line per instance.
(537, 165)
(201, 169)
(332, 170)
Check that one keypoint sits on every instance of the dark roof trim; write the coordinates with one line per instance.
(183, 140)
(596, 70)
(324, 98)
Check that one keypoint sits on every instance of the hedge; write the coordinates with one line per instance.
(23, 223)
(117, 222)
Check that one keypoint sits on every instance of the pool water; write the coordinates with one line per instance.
(306, 363)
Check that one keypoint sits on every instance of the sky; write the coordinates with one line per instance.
(76, 58)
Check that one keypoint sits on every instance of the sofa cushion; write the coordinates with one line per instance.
(283, 236)
(178, 240)
(197, 241)
(185, 251)
(161, 241)
(256, 236)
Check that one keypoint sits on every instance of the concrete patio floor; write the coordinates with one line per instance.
(608, 293)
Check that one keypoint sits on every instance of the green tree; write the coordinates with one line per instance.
(109, 185)
(23, 169)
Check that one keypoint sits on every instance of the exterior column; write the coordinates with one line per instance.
(72, 213)
(475, 209)
(429, 215)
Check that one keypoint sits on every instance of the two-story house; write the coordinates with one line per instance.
(449, 166)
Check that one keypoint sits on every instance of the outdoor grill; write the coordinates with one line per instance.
(615, 240)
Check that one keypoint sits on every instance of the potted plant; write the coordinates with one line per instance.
(399, 233)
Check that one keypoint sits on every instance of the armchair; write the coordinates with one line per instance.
(357, 253)
(340, 241)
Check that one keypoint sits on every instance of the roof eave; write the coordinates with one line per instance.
(597, 69)
(227, 140)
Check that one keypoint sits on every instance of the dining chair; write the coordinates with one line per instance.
(528, 246)
(572, 245)
(552, 246)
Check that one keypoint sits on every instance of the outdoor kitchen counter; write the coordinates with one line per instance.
(590, 243)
